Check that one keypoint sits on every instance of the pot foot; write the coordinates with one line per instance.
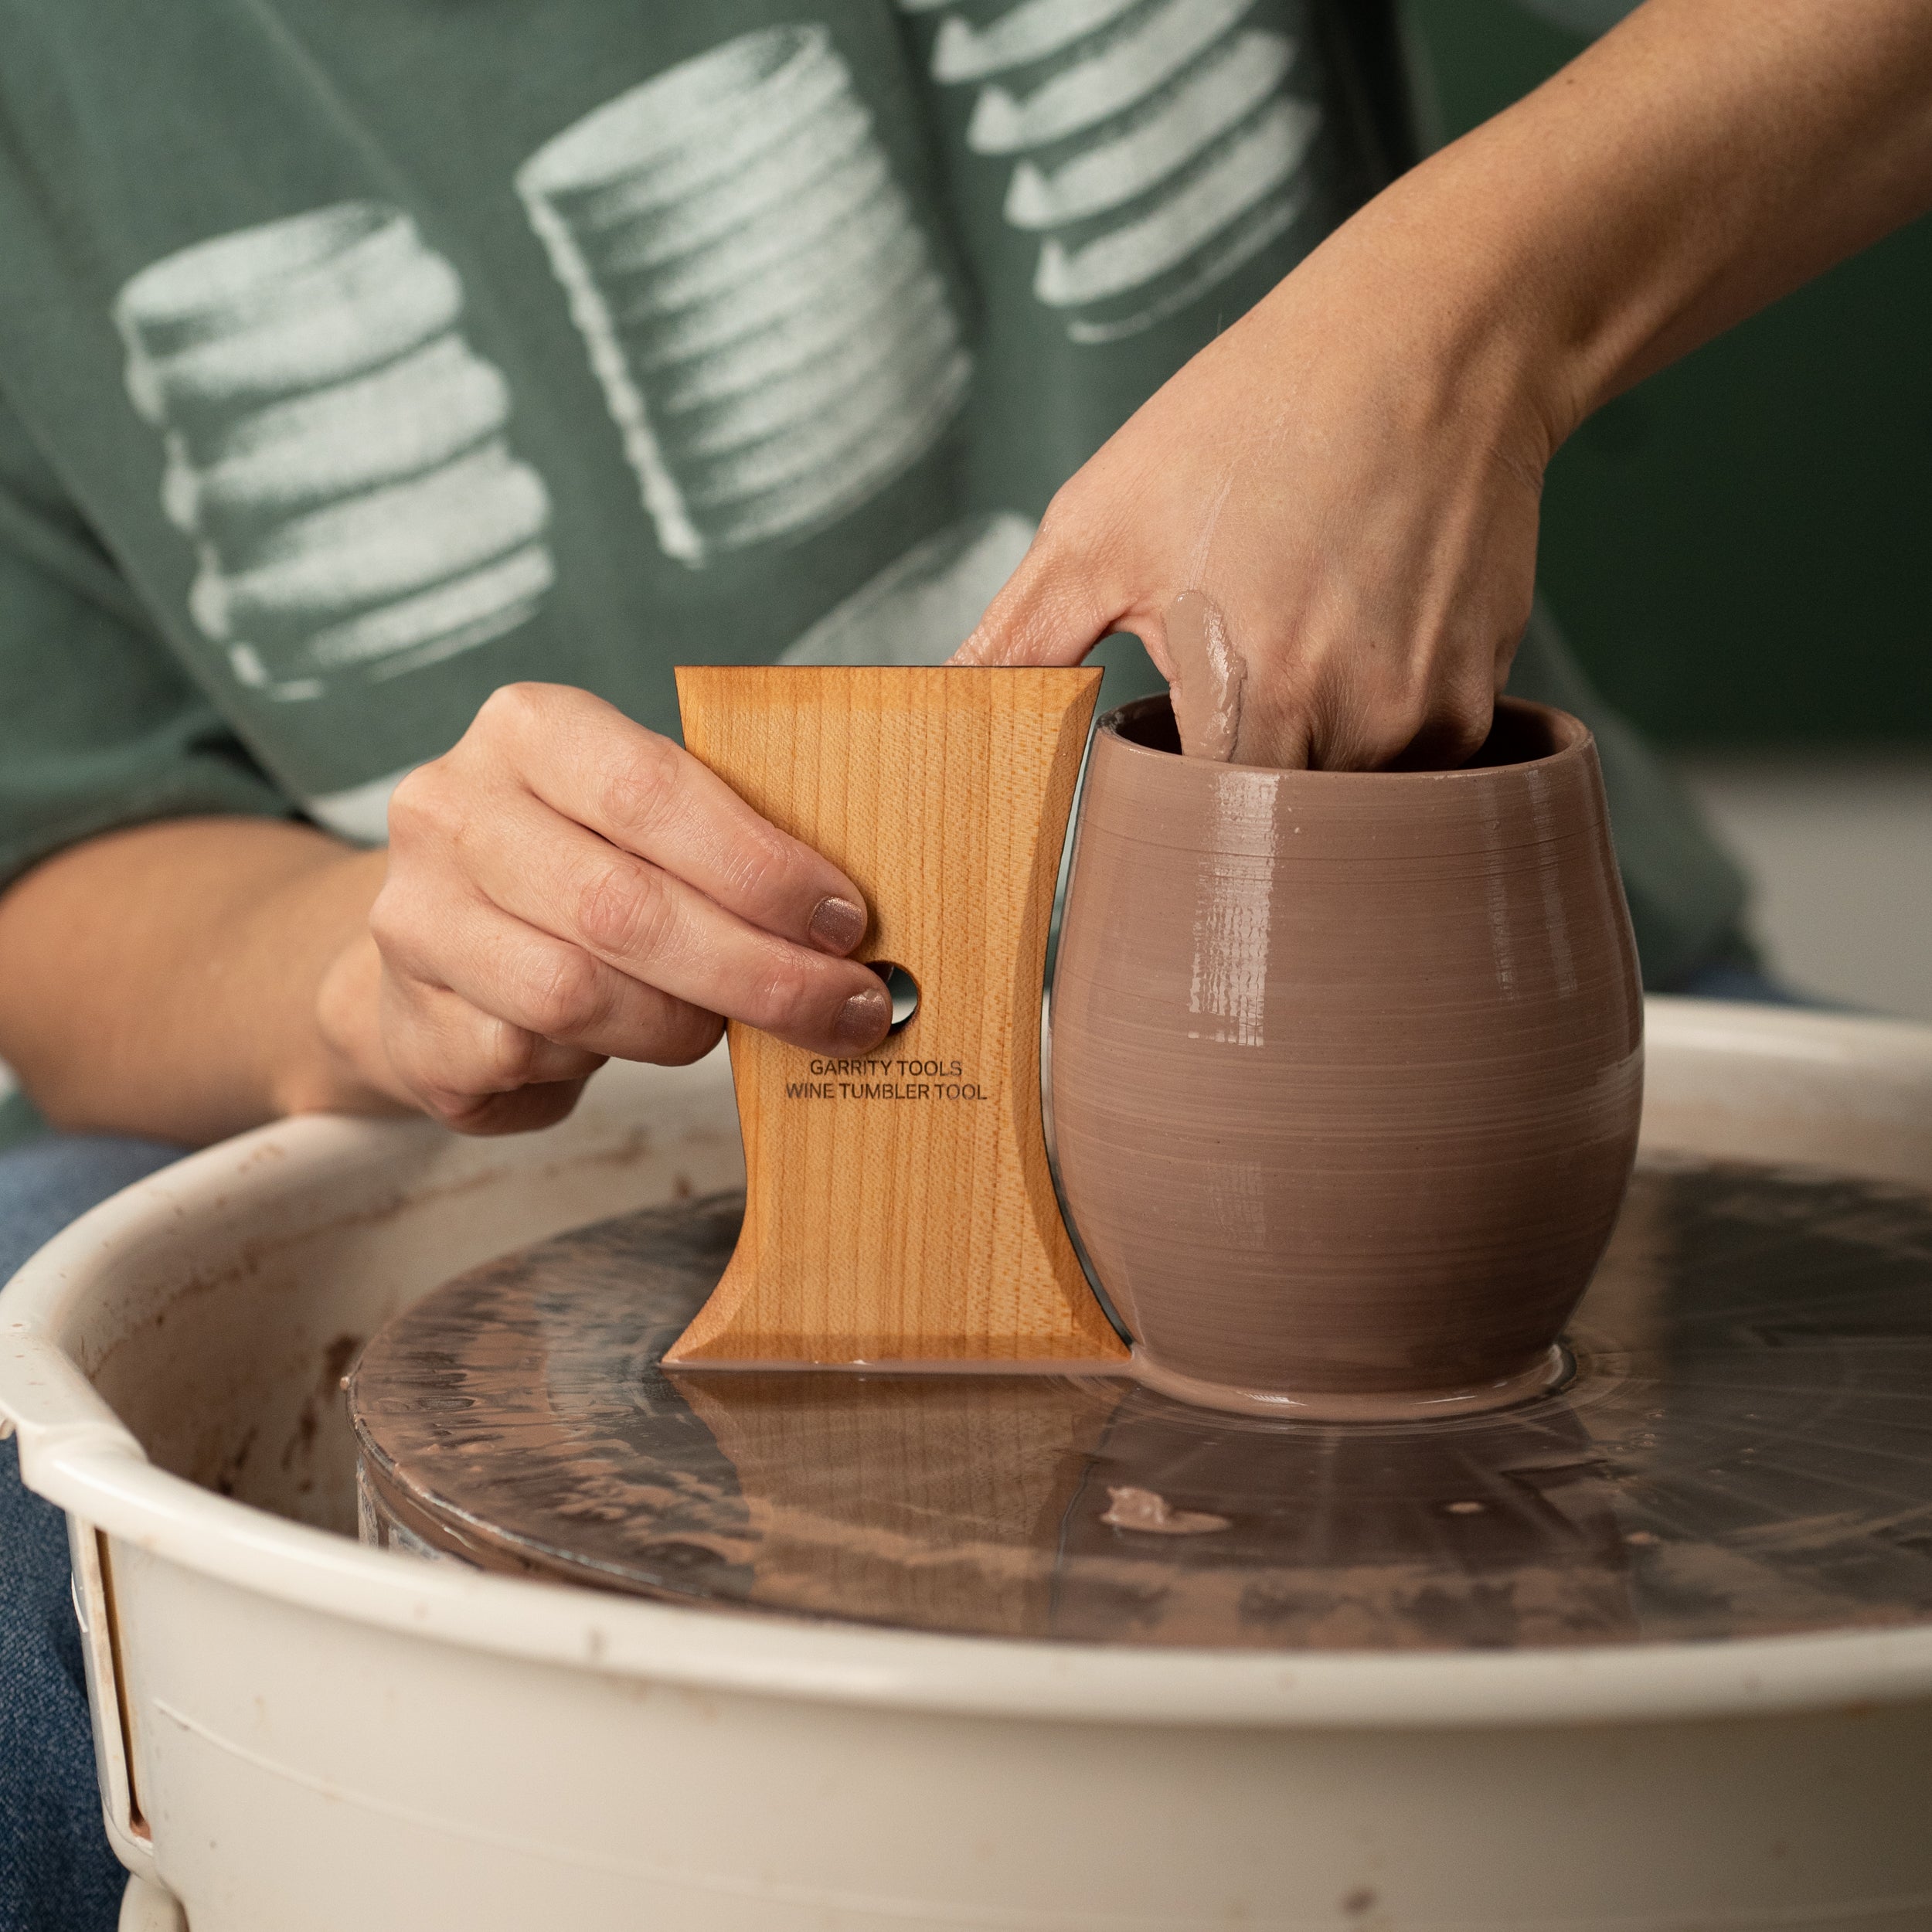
(1550, 1370)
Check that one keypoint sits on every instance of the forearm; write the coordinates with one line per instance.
(164, 980)
(1704, 159)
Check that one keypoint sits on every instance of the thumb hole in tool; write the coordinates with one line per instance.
(901, 987)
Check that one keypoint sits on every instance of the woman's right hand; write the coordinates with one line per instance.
(564, 887)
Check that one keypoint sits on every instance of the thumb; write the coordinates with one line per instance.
(1050, 611)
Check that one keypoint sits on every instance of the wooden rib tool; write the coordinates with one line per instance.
(899, 1211)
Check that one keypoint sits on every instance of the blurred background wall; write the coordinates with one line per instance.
(1741, 551)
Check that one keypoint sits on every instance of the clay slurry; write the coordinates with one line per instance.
(1745, 1451)
(1210, 677)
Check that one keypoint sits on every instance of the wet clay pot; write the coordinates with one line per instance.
(1346, 1066)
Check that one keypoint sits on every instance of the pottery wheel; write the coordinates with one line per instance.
(1745, 1449)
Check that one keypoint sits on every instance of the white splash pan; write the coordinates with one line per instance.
(297, 1733)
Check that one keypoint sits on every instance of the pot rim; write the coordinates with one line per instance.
(1109, 724)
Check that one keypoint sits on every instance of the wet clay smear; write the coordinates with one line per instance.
(1746, 1451)
(1210, 677)
(1149, 1515)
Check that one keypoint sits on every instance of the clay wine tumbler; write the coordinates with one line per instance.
(1346, 1066)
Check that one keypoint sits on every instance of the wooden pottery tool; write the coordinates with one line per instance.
(899, 1208)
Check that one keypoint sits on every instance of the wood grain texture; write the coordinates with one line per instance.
(901, 1208)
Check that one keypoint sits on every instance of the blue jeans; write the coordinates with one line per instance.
(56, 1874)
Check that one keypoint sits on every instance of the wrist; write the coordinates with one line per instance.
(340, 1066)
(1415, 300)
(326, 1056)
(1481, 273)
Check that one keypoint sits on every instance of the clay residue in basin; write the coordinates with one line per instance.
(1149, 1511)
(1744, 1453)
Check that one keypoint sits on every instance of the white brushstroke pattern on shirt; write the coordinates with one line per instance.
(335, 450)
(773, 337)
(921, 608)
(1157, 150)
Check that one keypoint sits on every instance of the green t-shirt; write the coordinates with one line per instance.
(359, 356)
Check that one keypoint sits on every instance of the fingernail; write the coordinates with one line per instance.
(837, 925)
(863, 1019)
